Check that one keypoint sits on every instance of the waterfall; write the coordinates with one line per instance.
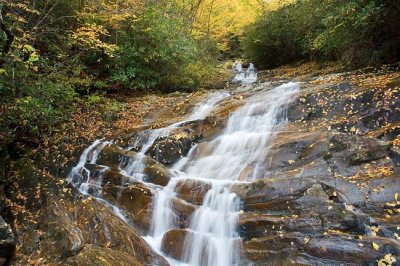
(244, 143)
(242, 76)
(80, 175)
(236, 155)
(135, 167)
(214, 238)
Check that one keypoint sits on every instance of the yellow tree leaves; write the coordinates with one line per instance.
(276, 4)
(221, 19)
(89, 37)
(113, 13)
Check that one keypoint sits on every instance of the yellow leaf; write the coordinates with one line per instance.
(396, 196)
(375, 245)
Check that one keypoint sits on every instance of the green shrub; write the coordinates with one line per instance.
(41, 107)
(156, 52)
(358, 32)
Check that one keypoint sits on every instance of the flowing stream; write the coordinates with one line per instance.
(244, 76)
(236, 155)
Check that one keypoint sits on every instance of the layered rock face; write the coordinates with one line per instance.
(327, 195)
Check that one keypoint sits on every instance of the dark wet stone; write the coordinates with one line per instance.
(192, 191)
(317, 249)
(136, 200)
(268, 189)
(118, 159)
(173, 243)
(7, 240)
(173, 147)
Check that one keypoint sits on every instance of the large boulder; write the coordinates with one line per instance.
(63, 237)
(101, 227)
(136, 200)
(171, 148)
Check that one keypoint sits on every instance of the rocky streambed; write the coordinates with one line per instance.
(324, 190)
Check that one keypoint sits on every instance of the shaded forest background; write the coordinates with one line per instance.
(57, 55)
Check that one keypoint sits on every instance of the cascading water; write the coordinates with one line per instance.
(242, 76)
(213, 239)
(244, 143)
(135, 167)
(80, 176)
(237, 155)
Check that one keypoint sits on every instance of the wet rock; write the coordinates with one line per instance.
(380, 118)
(156, 173)
(253, 225)
(192, 191)
(269, 189)
(7, 241)
(63, 236)
(114, 156)
(311, 212)
(315, 170)
(100, 227)
(118, 159)
(382, 190)
(173, 243)
(110, 177)
(170, 149)
(95, 255)
(135, 199)
(183, 210)
(330, 249)
(293, 150)
(346, 192)
(358, 149)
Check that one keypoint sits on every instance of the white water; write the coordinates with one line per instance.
(244, 143)
(135, 167)
(236, 155)
(242, 76)
(214, 239)
(80, 176)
